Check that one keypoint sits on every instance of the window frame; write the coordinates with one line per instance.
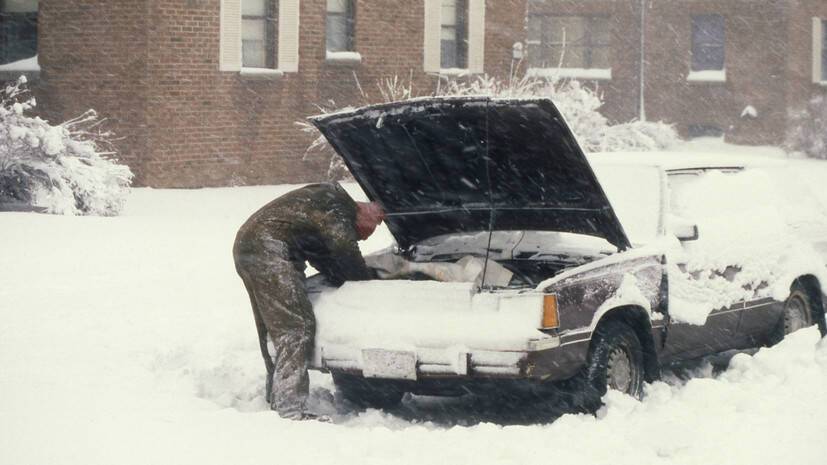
(270, 20)
(548, 46)
(824, 50)
(696, 46)
(350, 26)
(459, 33)
(7, 24)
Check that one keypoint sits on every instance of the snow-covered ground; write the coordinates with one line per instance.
(129, 340)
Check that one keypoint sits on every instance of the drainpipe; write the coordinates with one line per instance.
(642, 100)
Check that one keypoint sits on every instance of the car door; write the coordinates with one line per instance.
(690, 293)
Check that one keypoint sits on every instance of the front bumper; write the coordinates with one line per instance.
(417, 363)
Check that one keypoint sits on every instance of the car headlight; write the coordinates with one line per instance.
(551, 314)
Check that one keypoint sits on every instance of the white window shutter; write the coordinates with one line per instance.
(476, 36)
(288, 36)
(818, 43)
(229, 58)
(433, 20)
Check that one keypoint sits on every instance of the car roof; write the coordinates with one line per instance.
(676, 160)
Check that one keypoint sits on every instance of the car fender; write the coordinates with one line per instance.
(584, 299)
(588, 296)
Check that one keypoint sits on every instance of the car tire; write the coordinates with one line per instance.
(615, 361)
(366, 393)
(798, 314)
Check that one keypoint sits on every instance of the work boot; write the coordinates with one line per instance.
(315, 416)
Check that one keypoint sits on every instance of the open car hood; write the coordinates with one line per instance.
(446, 165)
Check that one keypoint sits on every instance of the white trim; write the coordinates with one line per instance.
(710, 75)
(343, 57)
(595, 74)
(261, 73)
(544, 343)
(288, 58)
(476, 36)
(578, 341)
(432, 30)
(229, 54)
(818, 38)
(454, 72)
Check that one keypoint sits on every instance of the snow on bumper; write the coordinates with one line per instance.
(414, 329)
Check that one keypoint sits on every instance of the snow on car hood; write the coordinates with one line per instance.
(445, 165)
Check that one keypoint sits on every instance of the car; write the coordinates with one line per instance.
(610, 275)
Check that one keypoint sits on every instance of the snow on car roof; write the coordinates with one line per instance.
(680, 160)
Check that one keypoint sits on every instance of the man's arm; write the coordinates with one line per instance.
(346, 263)
(343, 260)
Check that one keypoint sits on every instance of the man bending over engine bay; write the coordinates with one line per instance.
(319, 224)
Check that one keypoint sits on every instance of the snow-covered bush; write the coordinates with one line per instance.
(806, 133)
(581, 108)
(579, 105)
(65, 169)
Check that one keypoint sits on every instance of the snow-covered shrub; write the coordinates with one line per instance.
(806, 133)
(65, 169)
(579, 105)
(581, 108)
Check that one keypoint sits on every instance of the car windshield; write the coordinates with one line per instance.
(635, 195)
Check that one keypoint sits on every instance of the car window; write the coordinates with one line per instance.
(687, 190)
(727, 207)
(635, 195)
(678, 183)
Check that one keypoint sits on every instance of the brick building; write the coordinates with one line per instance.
(207, 92)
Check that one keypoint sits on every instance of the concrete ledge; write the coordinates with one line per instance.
(586, 74)
(343, 58)
(715, 75)
(265, 74)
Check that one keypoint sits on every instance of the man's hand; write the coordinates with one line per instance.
(388, 265)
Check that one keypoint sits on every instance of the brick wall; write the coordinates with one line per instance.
(621, 93)
(755, 49)
(212, 128)
(151, 68)
(799, 84)
(95, 57)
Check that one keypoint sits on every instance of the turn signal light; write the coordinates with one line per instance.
(551, 316)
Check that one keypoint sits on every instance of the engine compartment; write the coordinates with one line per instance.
(531, 256)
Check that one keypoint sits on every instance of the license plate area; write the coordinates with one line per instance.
(388, 364)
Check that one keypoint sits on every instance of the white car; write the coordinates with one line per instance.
(617, 263)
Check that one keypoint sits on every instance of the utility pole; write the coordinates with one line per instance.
(642, 77)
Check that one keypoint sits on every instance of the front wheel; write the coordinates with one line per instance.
(798, 314)
(615, 361)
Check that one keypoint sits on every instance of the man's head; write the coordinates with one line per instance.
(368, 217)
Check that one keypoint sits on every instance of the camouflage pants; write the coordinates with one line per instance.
(282, 310)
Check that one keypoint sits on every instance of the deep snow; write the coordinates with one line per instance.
(130, 340)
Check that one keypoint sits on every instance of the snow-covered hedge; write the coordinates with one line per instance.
(581, 108)
(65, 168)
(807, 133)
(578, 104)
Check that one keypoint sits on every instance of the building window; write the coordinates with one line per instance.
(824, 50)
(454, 34)
(258, 33)
(568, 41)
(708, 42)
(18, 30)
(339, 25)
(704, 130)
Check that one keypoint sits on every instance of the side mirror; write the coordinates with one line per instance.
(684, 230)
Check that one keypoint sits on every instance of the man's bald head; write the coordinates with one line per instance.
(368, 216)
